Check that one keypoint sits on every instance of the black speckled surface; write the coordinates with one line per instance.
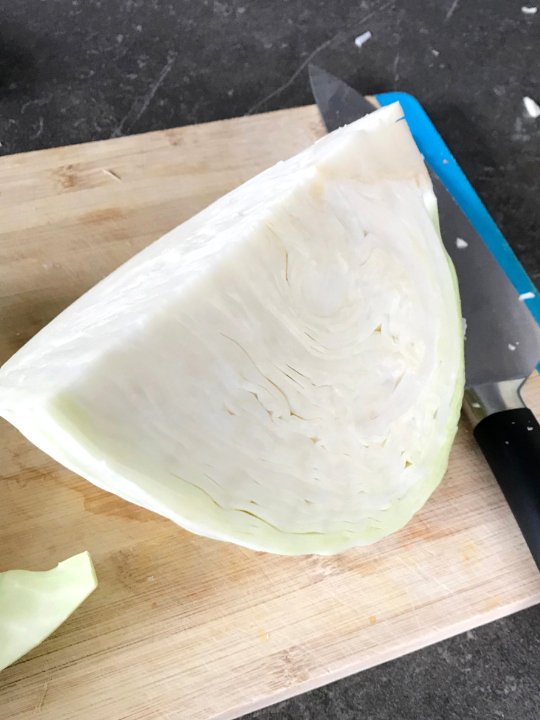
(80, 70)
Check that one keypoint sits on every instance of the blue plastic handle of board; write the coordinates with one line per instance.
(439, 157)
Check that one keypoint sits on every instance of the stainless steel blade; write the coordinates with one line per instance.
(502, 339)
(338, 103)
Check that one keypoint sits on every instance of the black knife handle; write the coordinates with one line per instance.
(510, 441)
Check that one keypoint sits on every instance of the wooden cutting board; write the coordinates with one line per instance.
(184, 628)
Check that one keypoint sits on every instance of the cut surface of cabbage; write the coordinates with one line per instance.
(284, 370)
(34, 604)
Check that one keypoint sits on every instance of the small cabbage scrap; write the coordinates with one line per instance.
(34, 604)
(283, 371)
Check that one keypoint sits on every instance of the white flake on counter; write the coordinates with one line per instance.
(363, 38)
(511, 347)
(532, 107)
(435, 52)
(529, 428)
(476, 405)
(529, 10)
(461, 244)
(526, 296)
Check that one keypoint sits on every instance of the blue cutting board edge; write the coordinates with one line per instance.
(438, 156)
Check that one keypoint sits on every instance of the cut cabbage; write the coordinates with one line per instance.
(34, 604)
(284, 370)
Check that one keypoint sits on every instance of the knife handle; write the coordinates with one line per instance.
(510, 441)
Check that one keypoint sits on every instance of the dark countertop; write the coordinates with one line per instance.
(79, 70)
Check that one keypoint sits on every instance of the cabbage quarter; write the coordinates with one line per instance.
(283, 371)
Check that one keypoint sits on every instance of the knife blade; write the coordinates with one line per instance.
(502, 345)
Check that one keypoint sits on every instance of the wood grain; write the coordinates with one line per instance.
(184, 628)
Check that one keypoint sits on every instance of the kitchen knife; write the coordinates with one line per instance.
(502, 345)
